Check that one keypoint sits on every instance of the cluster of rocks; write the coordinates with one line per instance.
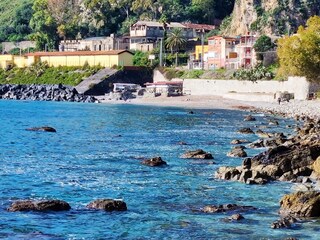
(287, 159)
(56, 92)
(58, 205)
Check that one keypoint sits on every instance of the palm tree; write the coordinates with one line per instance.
(175, 41)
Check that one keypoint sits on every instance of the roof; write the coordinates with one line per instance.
(78, 53)
(224, 37)
(158, 24)
(199, 26)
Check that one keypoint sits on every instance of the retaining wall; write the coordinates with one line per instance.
(299, 86)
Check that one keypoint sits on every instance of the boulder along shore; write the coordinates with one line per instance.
(54, 92)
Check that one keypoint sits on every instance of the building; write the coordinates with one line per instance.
(167, 89)
(23, 46)
(95, 44)
(247, 55)
(222, 53)
(196, 60)
(79, 58)
(146, 35)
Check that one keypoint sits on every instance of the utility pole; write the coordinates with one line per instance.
(202, 49)
(160, 53)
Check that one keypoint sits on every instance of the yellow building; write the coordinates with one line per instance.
(6, 61)
(79, 58)
(198, 52)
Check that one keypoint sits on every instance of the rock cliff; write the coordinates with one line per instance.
(271, 17)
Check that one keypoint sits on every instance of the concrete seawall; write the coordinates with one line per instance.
(242, 90)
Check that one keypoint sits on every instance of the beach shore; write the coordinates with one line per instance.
(309, 108)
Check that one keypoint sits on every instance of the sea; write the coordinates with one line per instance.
(97, 152)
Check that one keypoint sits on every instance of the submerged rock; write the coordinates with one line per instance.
(42, 129)
(153, 162)
(108, 205)
(283, 222)
(226, 208)
(246, 131)
(45, 205)
(199, 154)
(249, 118)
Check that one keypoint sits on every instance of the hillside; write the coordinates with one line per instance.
(272, 17)
(8, 9)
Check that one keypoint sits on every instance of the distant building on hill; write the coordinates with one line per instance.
(146, 35)
(95, 44)
(23, 45)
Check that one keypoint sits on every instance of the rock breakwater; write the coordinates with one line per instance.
(55, 92)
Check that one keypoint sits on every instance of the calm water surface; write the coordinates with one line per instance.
(96, 153)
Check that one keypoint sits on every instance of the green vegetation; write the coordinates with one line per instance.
(299, 55)
(263, 44)
(42, 74)
(253, 74)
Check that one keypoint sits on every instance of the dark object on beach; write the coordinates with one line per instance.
(245, 131)
(249, 118)
(199, 154)
(154, 162)
(42, 129)
(226, 208)
(108, 205)
(45, 205)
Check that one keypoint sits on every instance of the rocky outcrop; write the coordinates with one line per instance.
(239, 141)
(57, 92)
(226, 208)
(108, 205)
(249, 118)
(301, 204)
(271, 17)
(197, 154)
(154, 162)
(42, 129)
(45, 205)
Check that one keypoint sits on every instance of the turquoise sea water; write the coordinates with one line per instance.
(96, 153)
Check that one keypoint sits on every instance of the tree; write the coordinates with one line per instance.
(66, 15)
(43, 26)
(299, 54)
(263, 44)
(175, 41)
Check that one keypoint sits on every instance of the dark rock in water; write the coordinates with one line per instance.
(239, 141)
(236, 217)
(226, 208)
(191, 112)
(43, 129)
(301, 204)
(249, 118)
(246, 164)
(108, 205)
(237, 152)
(153, 162)
(199, 154)
(245, 131)
(283, 222)
(45, 205)
(182, 143)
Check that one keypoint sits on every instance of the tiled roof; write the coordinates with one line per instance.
(79, 53)
(199, 26)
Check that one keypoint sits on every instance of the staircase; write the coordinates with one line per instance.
(95, 79)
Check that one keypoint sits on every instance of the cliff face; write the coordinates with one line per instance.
(271, 17)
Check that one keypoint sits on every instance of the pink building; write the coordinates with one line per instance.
(231, 52)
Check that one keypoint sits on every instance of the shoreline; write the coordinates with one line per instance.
(292, 109)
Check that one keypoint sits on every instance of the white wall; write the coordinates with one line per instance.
(299, 86)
